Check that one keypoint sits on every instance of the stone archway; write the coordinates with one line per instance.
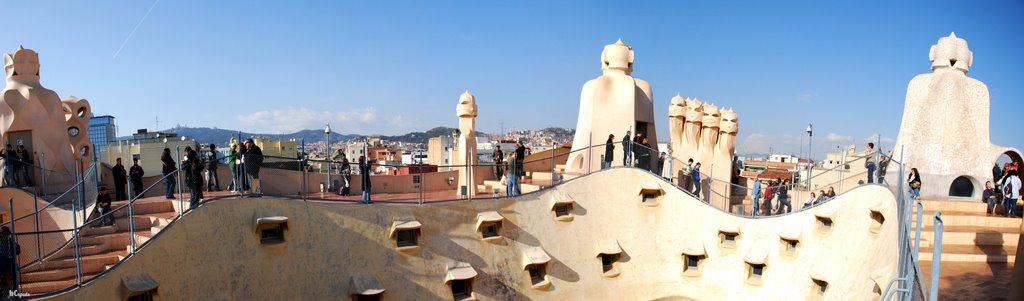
(1014, 156)
(962, 186)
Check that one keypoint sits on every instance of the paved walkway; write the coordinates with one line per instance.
(971, 281)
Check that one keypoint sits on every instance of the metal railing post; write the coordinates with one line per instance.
(42, 162)
(936, 258)
(177, 176)
(131, 214)
(422, 182)
(81, 194)
(39, 240)
(302, 165)
(553, 144)
(917, 237)
(78, 262)
(14, 236)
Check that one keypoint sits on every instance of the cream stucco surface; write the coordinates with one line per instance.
(332, 250)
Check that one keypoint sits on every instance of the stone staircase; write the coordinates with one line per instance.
(99, 247)
(532, 181)
(968, 234)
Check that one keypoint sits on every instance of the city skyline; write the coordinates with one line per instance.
(371, 68)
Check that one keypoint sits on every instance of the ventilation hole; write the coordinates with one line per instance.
(608, 262)
(755, 272)
(952, 62)
(824, 224)
(877, 219)
(650, 197)
(693, 263)
(538, 273)
(789, 246)
(272, 235)
(360, 297)
(727, 239)
(490, 229)
(407, 237)
(462, 289)
(562, 210)
(15, 73)
(820, 286)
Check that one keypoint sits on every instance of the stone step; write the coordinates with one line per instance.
(971, 238)
(36, 288)
(954, 218)
(104, 259)
(972, 206)
(87, 267)
(144, 206)
(972, 253)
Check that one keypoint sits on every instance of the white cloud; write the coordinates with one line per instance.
(292, 119)
(807, 96)
(833, 137)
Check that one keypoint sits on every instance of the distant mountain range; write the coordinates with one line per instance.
(214, 135)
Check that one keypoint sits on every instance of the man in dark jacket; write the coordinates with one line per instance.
(252, 159)
(497, 156)
(609, 152)
(9, 250)
(135, 173)
(212, 183)
(625, 149)
(120, 180)
(520, 158)
(364, 176)
(10, 165)
(26, 170)
(103, 206)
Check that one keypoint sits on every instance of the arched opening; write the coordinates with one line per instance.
(962, 187)
(1003, 163)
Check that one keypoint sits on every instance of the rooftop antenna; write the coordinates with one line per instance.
(157, 121)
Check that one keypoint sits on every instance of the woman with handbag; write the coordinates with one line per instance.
(915, 184)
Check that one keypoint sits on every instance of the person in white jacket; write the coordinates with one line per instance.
(1011, 190)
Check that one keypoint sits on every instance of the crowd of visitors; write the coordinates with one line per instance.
(1004, 192)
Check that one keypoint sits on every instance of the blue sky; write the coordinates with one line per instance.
(394, 67)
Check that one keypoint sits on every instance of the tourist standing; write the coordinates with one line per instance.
(192, 168)
(914, 180)
(996, 172)
(10, 166)
(696, 180)
(252, 159)
(870, 163)
(520, 157)
(687, 175)
(660, 168)
(756, 195)
(637, 150)
(609, 152)
(233, 166)
(497, 156)
(168, 169)
(120, 180)
(135, 174)
(364, 176)
(346, 175)
(625, 149)
(989, 196)
(511, 183)
(769, 194)
(784, 198)
(645, 154)
(26, 170)
(212, 182)
(1011, 191)
(9, 251)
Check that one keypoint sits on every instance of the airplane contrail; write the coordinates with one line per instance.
(134, 29)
